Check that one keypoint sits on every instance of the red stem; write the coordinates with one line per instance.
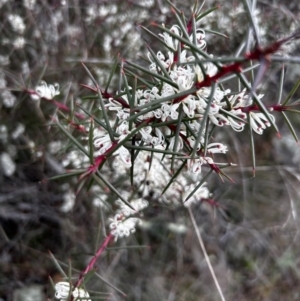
(59, 105)
(92, 262)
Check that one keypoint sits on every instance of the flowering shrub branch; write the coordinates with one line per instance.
(167, 118)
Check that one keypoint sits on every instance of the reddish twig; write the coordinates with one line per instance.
(93, 261)
(59, 105)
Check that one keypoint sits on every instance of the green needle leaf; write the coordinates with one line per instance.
(73, 139)
(178, 171)
(58, 265)
(290, 127)
(102, 124)
(109, 129)
(111, 187)
(154, 150)
(201, 16)
(68, 174)
(91, 141)
(199, 185)
(155, 75)
(252, 146)
(203, 121)
(280, 85)
(112, 73)
(291, 94)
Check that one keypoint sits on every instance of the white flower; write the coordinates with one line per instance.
(139, 93)
(123, 114)
(165, 63)
(192, 141)
(18, 131)
(195, 126)
(184, 59)
(138, 205)
(29, 3)
(173, 111)
(169, 110)
(185, 81)
(159, 139)
(113, 105)
(202, 105)
(125, 155)
(123, 130)
(17, 23)
(241, 100)
(211, 69)
(149, 95)
(80, 294)
(69, 201)
(102, 142)
(237, 100)
(76, 158)
(215, 148)
(219, 119)
(146, 134)
(167, 90)
(259, 121)
(179, 144)
(208, 160)
(158, 113)
(213, 114)
(189, 106)
(97, 202)
(46, 91)
(194, 165)
(203, 93)
(237, 125)
(200, 36)
(120, 227)
(7, 165)
(8, 99)
(183, 76)
(18, 43)
(62, 292)
(170, 41)
(150, 139)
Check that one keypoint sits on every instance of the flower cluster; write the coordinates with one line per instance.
(124, 223)
(172, 118)
(121, 227)
(63, 292)
(168, 117)
(43, 90)
(181, 94)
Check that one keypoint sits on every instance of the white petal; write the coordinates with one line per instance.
(125, 155)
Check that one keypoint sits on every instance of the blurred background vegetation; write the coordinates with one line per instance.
(253, 240)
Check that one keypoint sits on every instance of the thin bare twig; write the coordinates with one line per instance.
(205, 254)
